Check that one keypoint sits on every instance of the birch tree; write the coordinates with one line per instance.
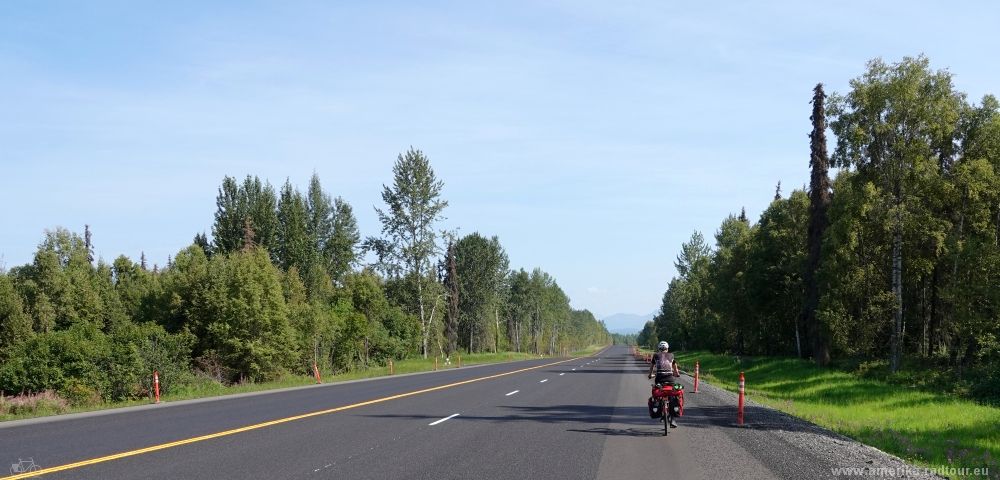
(410, 239)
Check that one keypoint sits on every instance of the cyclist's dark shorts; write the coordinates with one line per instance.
(665, 377)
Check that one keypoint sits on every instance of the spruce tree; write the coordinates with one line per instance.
(320, 217)
(819, 202)
(342, 249)
(227, 231)
(88, 243)
(294, 246)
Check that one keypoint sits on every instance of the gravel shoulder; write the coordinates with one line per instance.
(709, 443)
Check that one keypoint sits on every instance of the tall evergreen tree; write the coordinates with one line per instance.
(89, 243)
(819, 202)
(260, 203)
(321, 219)
(236, 203)
(342, 249)
(294, 244)
(227, 231)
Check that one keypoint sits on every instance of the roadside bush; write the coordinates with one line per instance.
(78, 393)
(85, 365)
(48, 361)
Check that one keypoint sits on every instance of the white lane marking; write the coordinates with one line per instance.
(511, 393)
(543, 381)
(445, 419)
(561, 374)
(573, 370)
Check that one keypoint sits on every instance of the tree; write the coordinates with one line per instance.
(227, 231)
(774, 277)
(320, 216)
(201, 240)
(482, 266)
(246, 319)
(88, 238)
(15, 324)
(295, 247)
(414, 207)
(895, 126)
(236, 205)
(341, 250)
(730, 263)
(819, 202)
(518, 307)
(452, 314)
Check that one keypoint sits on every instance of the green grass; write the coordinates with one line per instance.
(920, 425)
(203, 387)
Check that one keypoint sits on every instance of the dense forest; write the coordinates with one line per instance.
(893, 262)
(281, 283)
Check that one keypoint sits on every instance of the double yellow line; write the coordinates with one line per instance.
(163, 446)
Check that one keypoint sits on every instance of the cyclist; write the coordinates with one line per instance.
(665, 368)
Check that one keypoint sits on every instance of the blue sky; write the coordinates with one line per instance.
(591, 137)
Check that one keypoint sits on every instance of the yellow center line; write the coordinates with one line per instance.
(163, 446)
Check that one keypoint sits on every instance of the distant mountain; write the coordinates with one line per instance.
(626, 323)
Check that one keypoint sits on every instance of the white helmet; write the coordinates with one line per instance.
(663, 346)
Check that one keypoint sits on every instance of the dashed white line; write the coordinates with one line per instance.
(511, 393)
(543, 381)
(573, 370)
(561, 374)
(445, 419)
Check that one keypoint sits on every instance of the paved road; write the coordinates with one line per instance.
(578, 419)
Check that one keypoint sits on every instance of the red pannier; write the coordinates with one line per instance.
(670, 393)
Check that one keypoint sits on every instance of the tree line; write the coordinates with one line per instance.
(280, 285)
(895, 260)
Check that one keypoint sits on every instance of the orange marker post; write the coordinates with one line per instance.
(156, 385)
(697, 368)
(739, 411)
(316, 373)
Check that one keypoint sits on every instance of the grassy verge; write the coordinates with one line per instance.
(922, 426)
(14, 408)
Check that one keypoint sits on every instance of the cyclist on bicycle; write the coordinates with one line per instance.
(665, 368)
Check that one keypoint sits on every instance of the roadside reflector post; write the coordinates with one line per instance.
(156, 386)
(316, 373)
(435, 363)
(459, 360)
(697, 371)
(739, 411)
(390, 367)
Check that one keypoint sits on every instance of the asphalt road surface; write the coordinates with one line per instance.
(579, 418)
